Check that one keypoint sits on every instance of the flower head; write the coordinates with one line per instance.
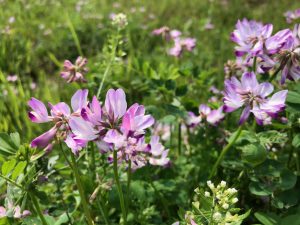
(250, 36)
(60, 115)
(251, 95)
(72, 73)
(119, 20)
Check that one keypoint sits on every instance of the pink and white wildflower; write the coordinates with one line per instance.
(251, 95)
(72, 73)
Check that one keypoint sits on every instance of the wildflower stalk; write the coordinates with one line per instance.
(254, 64)
(12, 182)
(74, 167)
(119, 188)
(37, 208)
(74, 35)
(224, 151)
(179, 139)
(128, 185)
(102, 212)
(110, 63)
(81, 191)
(273, 76)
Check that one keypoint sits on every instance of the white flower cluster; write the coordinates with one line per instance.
(120, 20)
(223, 200)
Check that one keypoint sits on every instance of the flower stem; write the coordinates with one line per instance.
(275, 73)
(179, 139)
(81, 191)
(224, 151)
(128, 185)
(254, 64)
(111, 61)
(119, 188)
(37, 208)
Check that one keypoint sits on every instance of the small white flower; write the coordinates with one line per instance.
(210, 185)
(232, 191)
(120, 20)
(223, 184)
(206, 194)
(234, 200)
(217, 216)
(225, 206)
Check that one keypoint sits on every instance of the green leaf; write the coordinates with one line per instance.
(7, 146)
(245, 137)
(15, 137)
(254, 154)
(62, 219)
(293, 97)
(260, 190)
(287, 179)
(18, 170)
(8, 166)
(296, 141)
(268, 138)
(267, 219)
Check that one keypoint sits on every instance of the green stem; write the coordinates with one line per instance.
(224, 151)
(74, 35)
(111, 61)
(128, 185)
(12, 182)
(37, 208)
(81, 191)
(254, 64)
(93, 164)
(102, 212)
(275, 73)
(119, 188)
(179, 139)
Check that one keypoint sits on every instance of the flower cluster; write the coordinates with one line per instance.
(290, 16)
(13, 211)
(251, 95)
(119, 20)
(225, 199)
(219, 207)
(72, 73)
(257, 46)
(180, 43)
(111, 126)
(212, 116)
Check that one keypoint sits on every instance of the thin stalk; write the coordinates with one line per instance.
(93, 164)
(102, 212)
(224, 151)
(12, 182)
(81, 191)
(254, 64)
(38, 208)
(96, 195)
(179, 139)
(111, 61)
(119, 188)
(275, 73)
(128, 185)
(74, 35)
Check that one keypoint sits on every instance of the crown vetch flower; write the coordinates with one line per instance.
(250, 36)
(72, 73)
(114, 127)
(60, 115)
(289, 57)
(292, 15)
(251, 95)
